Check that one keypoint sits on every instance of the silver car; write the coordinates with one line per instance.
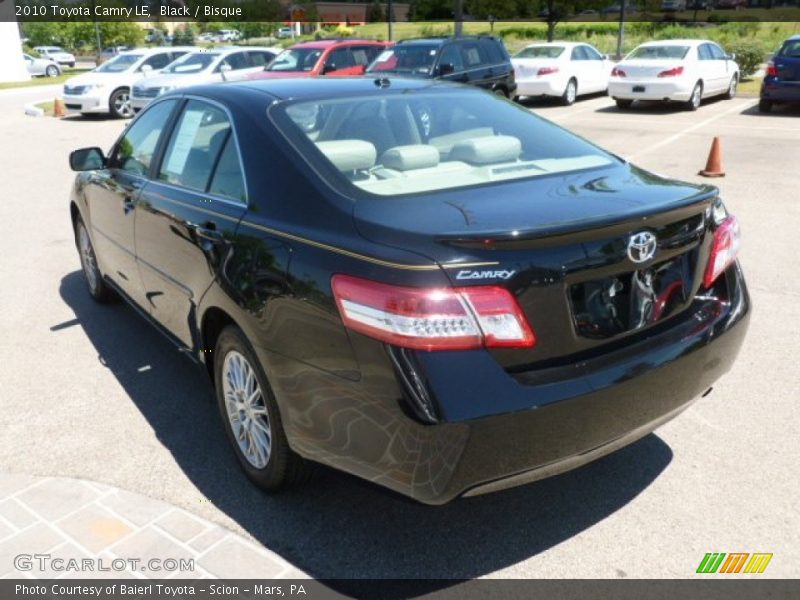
(41, 66)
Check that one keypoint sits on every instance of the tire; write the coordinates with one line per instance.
(570, 93)
(765, 106)
(732, 87)
(623, 104)
(52, 71)
(693, 103)
(501, 91)
(263, 452)
(119, 104)
(98, 289)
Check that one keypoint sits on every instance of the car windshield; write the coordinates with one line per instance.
(296, 59)
(191, 63)
(413, 59)
(540, 52)
(416, 142)
(119, 64)
(659, 52)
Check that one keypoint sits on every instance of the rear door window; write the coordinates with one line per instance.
(340, 58)
(157, 61)
(237, 60)
(791, 49)
(197, 141)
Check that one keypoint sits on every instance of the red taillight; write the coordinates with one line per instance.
(547, 70)
(723, 249)
(432, 318)
(771, 70)
(617, 72)
(671, 72)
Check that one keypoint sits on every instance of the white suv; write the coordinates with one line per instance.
(56, 53)
(107, 88)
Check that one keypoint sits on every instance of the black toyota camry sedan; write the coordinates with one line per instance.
(418, 283)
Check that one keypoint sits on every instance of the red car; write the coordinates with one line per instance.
(323, 57)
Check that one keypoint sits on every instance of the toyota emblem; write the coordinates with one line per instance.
(642, 246)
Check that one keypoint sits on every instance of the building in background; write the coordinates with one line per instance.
(12, 66)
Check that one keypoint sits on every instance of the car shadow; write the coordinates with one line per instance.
(91, 117)
(778, 110)
(338, 526)
(547, 101)
(657, 107)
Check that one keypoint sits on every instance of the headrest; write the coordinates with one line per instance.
(487, 150)
(446, 142)
(349, 155)
(406, 158)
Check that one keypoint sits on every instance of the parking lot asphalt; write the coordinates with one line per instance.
(92, 392)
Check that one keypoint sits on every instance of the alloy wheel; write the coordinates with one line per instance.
(122, 104)
(246, 409)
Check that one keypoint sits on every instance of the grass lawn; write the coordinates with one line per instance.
(47, 107)
(750, 87)
(37, 81)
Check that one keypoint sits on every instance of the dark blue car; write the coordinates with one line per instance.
(782, 82)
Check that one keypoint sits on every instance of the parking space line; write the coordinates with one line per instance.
(695, 127)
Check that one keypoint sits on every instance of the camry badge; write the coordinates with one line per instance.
(469, 274)
(642, 246)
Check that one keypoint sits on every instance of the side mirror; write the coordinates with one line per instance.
(146, 70)
(446, 69)
(225, 69)
(328, 68)
(87, 159)
(732, 56)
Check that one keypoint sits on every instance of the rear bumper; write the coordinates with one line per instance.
(497, 429)
(654, 90)
(780, 91)
(540, 87)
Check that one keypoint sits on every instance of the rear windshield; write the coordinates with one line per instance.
(413, 59)
(394, 144)
(296, 59)
(540, 52)
(191, 63)
(791, 49)
(659, 52)
(120, 63)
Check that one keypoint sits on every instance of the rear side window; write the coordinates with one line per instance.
(259, 58)
(197, 141)
(408, 143)
(135, 150)
(237, 60)
(157, 61)
(340, 58)
(492, 52)
(228, 180)
(791, 49)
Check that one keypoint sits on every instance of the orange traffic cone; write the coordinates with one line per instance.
(714, 164)
(58, 108)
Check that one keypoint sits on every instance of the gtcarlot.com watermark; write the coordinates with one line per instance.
(47, 562)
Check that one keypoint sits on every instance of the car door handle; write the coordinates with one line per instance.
(206, 235)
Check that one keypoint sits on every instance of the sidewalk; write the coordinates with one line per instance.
(91, 526)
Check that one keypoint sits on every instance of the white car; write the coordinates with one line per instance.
(41, 66)
(681, 70)
(107, 88)
(56, 53)
(564, 70)
(203, 66)
(228, 35)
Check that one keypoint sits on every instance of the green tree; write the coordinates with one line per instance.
(375, 12)
(184, 35)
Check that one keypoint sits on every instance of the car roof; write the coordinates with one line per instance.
(155, 50)
(332, 43)
(302, 88)
(557, 44)
(439, 40)
(793, 38)
(677, 43)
